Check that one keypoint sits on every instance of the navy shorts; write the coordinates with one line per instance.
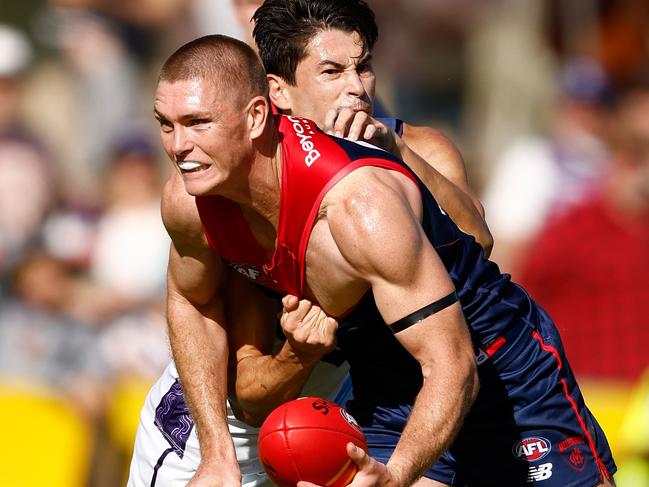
(528, 425)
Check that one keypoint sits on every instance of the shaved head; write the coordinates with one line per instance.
(230, 64)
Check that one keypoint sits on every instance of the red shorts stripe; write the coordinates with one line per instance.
(573, 404)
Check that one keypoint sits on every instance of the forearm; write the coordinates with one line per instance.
(435, 419)
(263, 382)
(200, 351)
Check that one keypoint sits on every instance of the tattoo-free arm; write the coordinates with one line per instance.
(378, 233)
(438, 163)
(198, 336)
(265, 379)
(432, 156)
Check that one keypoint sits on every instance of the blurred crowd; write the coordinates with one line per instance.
(547, 100)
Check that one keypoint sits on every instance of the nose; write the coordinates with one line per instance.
(181, 144)
(355, 84)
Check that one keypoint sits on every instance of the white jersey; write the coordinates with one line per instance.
(166, 450)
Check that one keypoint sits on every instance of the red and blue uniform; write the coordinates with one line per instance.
(529, 422)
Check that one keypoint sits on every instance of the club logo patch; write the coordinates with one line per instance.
(531, 449)
(574, 452)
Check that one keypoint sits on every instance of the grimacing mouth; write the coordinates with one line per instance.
(191, 166)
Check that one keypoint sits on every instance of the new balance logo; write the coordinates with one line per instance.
(542, 472)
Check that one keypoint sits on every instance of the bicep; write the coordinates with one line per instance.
(386, 245)
(194, 271)
(439, 338)
(193, 274)
(377, 230)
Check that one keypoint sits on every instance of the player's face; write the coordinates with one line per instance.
(336, 73)
(204, 136)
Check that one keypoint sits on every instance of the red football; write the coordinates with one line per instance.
(306, 439)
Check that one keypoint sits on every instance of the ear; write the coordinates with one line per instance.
(257, 110)
(278, 92)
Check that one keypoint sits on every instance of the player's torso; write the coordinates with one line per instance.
(307, 262)
(304, 259)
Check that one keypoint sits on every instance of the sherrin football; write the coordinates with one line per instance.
(306, 439)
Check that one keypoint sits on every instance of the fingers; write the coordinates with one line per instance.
(355, 125)
(330, 121)
(370, 472)
(309, 331)
(342, 121)
(358, 455)
(347, 123)
(290, 303)
(370, 132)
(358, 122)
(308, 323)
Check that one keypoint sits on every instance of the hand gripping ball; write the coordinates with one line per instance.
(306, 439)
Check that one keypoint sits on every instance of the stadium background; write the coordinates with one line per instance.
(532, 91)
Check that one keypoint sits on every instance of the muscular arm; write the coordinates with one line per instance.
(379, 235)
(264, 379)
(432, 156)
(197, 335)
(439, 164)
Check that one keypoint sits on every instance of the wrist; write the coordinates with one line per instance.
(217, 451)
(400, 474)
(303, 359)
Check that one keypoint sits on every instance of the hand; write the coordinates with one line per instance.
(309, 331)
(355, 125)
(371, 473)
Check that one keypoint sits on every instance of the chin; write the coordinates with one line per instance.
(196, 187)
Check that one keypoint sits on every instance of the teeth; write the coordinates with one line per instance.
(188, 165)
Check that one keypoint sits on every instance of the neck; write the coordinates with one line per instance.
(258, 188)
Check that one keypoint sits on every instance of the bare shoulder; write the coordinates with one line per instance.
(370, 207)
(180, 215)
(436, 148)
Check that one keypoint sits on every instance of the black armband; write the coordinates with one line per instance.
(424, 312)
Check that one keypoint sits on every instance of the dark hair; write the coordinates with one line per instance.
(283, 28)
(228, 62)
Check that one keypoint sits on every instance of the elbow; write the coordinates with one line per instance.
(469, 385)
(486, 241)
(250, 418)
(244, 410)
(484, 236)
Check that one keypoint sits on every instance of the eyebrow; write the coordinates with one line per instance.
(187, 116)
(364, 59)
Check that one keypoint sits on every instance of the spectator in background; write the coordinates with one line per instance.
(15, 58)
(97, 83)
(132, 246)
(128, 265)
(589, 269)
(540, 177)
(26, 178)
(26, 195)
(40, 343)
(589, 266)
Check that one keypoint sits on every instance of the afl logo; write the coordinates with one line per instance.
(531, 449)
(350, 419)
(248, 271)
